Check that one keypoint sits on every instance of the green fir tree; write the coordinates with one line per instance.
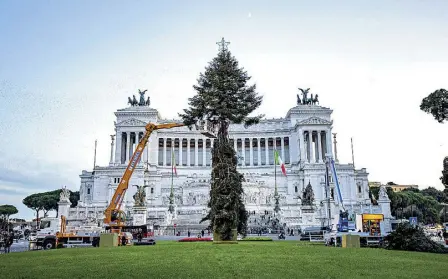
(223, 97)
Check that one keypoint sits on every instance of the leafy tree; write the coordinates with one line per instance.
(48, 201)
(409, 238)
(391, 183)
(412, 203)
(223, 97)
(7, 210)
(35, 203)
(444, 177)
(74, 198)
(436, 104)
(438, 195)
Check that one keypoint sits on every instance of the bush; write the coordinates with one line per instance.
(409, 238)
(195, 239)
(260, 238)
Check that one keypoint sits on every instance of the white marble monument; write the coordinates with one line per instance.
(302, 137)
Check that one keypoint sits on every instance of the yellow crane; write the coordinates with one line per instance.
(114, 217)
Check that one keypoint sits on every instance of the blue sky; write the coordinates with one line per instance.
(66, 66)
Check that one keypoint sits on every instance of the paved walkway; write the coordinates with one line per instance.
(21, 246)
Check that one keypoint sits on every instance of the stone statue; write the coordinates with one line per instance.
(140, 196)
(305, 95)
(142, 97)
(305, 100)
(382, 195)
(316, 100)
(133, 102)
(299, 102)
(64, 195)
(308, 195)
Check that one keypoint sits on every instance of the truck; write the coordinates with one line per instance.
(53, 234)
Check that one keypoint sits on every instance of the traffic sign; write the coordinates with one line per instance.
(413, 220)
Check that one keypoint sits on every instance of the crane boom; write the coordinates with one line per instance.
(118, 196)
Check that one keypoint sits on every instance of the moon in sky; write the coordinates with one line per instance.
(249, 15)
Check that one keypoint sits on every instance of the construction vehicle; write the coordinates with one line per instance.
(114, 217)
(48, 239)
(114, 221)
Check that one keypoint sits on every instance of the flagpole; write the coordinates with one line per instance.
(276, 197)
(172, 168)
(171, 208)
(275, 170)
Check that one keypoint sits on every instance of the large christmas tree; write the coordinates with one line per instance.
(223, 97)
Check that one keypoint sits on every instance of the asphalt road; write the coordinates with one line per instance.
(22, 245)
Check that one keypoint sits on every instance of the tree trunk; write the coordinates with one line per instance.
(37, 219)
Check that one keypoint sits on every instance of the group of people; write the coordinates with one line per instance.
(201, 234)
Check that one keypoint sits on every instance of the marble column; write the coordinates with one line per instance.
(328, 141)
(212, 141)
(180, 152)
(188, 152)
(235, 146)
(243, 151)
(196, 152)
(301, 145)
(259, 150)
(319, 145)
(309, 144)
(128, 142)
(137, 137)
(145, 151)
(173, 151)
(266, 150)
(164, 151)
(131, 145)
(251, 151)
(204, 152)
(111, 161)
(282, 144)
(118, 147)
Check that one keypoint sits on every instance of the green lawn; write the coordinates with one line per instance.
(272, 260)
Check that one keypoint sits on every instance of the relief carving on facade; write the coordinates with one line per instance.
(132, 122)
(315, 121)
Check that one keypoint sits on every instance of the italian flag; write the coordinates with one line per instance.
(173, 162)
(278, 161)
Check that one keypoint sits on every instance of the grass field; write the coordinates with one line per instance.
(204, 260)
